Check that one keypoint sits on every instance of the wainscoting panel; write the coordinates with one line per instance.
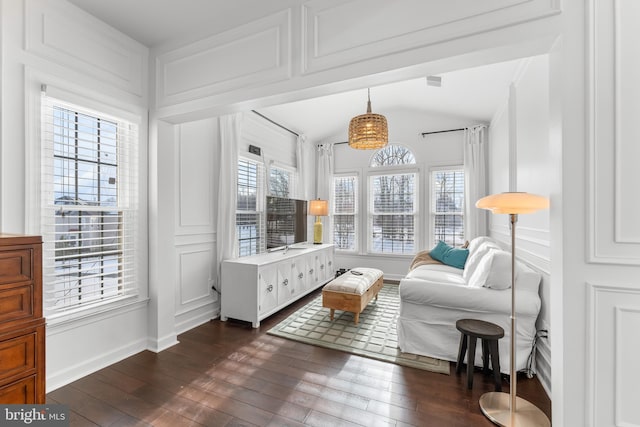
(250, 55)
(194, 153)
(614, 99)
(194, 275)
(72, 38)
(332, 37)
(613, 322)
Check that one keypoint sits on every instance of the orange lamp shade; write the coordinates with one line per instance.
(513, 203)
(319, 207)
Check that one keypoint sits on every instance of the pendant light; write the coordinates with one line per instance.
(368, 131)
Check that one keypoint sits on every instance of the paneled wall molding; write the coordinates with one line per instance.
(613, 201)
(190, 239)
(70, 37)
(197, 317)
(194, 265)
(332, 38)
(613, 319)
(212, 66)
(194, 178)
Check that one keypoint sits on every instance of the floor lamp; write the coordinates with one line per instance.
(504, 409)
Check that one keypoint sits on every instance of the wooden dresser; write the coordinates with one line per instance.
(22, 334)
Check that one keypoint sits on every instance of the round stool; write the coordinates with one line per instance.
(489, 333)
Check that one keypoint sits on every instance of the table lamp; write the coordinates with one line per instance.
(318, 208)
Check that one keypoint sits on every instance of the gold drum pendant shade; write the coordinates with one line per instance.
(368, 131)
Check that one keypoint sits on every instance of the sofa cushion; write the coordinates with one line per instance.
(437, 273)
(455, 257)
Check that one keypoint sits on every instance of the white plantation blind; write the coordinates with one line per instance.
(345, 211)
(250, 207)
(89, 207)
(447, 202)
(393, 201)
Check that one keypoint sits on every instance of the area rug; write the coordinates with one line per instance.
(375, 335)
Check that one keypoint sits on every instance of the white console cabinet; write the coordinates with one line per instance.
(257, 286)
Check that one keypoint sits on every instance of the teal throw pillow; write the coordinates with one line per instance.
(455, 257)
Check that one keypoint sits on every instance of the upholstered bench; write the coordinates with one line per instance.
(352, 291)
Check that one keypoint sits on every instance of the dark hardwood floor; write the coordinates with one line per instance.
(228, 374)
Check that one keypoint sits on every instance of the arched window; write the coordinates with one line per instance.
(391, 155)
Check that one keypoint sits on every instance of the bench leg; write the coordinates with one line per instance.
(356, 318)
(471, 357)
(331, 312)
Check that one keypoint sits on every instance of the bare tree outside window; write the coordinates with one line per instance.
(448, 206)
(393, 203)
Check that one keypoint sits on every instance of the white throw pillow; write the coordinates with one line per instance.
(478, 277)
(476, 256)
(500, 271)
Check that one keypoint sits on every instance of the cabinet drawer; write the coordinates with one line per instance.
(16, 303)
(22, 391)
(15, 266)
(18, 355)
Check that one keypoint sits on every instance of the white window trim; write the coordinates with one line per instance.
(105, 108)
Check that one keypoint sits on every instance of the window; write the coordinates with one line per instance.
(447, 201)
(281, 182)
(89, 207)
(393, 202)
(345, 210)
(249, 211)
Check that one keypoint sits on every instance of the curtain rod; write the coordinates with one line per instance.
(441, 131)
(277, 124)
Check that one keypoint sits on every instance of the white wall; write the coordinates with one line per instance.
(56, 44)
(519, 149)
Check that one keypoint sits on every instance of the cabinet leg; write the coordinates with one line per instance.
(255, 324)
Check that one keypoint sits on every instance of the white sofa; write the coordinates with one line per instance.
(434, 296)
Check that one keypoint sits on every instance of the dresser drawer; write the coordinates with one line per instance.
(18, 356)
(15, 266)
(22, 391)
(16, 303)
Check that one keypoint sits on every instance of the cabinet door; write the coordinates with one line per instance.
(267, 288)
(312, 270)
(329, 271)
(286, 287)
(299, 274)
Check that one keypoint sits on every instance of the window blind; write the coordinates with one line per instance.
(392, 213)
(345, 210)
(447, 201)
(250, 208)
(89, 207)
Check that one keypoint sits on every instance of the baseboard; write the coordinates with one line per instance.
(192, 319)
(157, 345)
(66, 376)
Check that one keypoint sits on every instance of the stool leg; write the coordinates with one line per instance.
(331, 313)
(485, 356)
(495, 363)
(462, 349)
(471, 357)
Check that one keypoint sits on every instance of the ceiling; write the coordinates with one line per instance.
(473, 94)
